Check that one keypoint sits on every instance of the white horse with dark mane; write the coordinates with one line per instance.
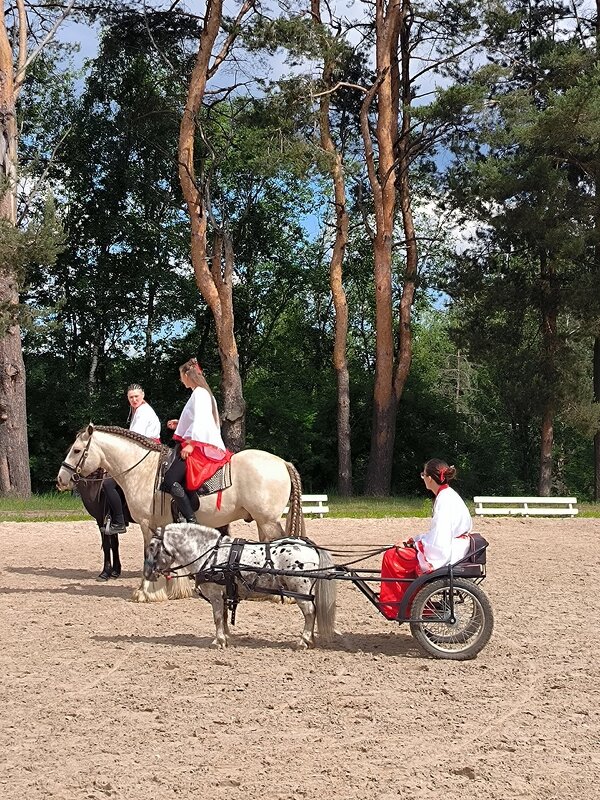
(230, 570)
(262, 484)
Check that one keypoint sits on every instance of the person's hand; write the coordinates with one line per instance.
(172, 424)
(186, 450)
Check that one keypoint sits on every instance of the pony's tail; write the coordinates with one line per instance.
(325, 596)
(294, 523)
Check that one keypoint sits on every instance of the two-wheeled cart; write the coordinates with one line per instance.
(449, 614)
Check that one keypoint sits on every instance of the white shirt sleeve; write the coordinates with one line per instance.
(145, 421)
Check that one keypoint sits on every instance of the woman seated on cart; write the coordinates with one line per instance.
(446, 541)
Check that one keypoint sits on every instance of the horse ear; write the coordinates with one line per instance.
(90, 428)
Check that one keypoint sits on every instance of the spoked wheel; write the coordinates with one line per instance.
(458, 639)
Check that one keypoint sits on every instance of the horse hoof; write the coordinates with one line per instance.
(115, 573)
(104, 575)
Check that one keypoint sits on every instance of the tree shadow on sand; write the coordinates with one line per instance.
(110, 588)
(377, 644)
(64, 574)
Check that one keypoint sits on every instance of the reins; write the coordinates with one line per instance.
(357, 557)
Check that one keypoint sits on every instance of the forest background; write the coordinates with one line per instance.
(375, 225)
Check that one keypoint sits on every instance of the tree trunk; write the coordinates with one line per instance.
(549, 320)
(596, 374)
(150, 313)
(340, 361)
(383, 185)
(14, 452)
(597, 436)
(233, 412)
(214, 282)
(405, 342)
(546, 461)
(15, 479)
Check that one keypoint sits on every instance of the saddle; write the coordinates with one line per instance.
(218, 482)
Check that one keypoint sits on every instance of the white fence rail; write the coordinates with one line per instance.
(526, 506)
(315, 504)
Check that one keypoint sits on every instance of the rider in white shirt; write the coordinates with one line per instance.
(142, 417)
(446, 541)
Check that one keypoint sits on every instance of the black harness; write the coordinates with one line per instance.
(232, 573)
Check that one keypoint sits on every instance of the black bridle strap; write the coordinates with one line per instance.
(76, 470)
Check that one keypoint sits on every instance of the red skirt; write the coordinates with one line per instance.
(202, 463)
(398, 562)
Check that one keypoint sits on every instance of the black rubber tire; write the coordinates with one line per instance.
(468, 635)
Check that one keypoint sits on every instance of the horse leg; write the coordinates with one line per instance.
(180, 588)
(268, 531)
(106, 549)
(116, 559)
(307, 639)
(217, 601)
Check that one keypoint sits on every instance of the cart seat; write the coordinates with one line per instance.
(473, 564)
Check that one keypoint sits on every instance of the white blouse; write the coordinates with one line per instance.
(145, 421)
(447, 539)
(197, 423)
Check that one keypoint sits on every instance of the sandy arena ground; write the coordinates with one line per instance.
(103, 698)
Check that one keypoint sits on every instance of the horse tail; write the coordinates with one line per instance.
(325, 596)
(294, 523)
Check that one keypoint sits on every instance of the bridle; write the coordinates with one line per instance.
(75, 471)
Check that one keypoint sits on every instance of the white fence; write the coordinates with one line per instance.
(315, 504)
(526, 506)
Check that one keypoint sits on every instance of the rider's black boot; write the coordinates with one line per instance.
(183, 502)
(107, 569)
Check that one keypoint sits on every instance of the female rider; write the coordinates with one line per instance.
(446, 541)
(198, 432)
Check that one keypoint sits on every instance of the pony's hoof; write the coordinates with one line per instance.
(218, 644)
(115, 573)
(104, 575)
(302, 645)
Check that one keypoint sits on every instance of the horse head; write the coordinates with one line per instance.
(81, 460)
(157, 559)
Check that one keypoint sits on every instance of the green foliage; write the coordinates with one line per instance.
(120, 303)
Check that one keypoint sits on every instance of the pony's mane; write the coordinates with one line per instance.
(126, 434)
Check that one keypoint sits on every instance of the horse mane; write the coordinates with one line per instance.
(138, 438)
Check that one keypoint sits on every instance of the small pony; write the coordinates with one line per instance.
(229, 570)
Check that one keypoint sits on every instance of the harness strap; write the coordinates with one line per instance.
(268, 560)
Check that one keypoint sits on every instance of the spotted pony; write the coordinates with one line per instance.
(229, 570)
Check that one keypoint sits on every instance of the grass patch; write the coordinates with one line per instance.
(51, 507)
(66, 507)
(378, 507)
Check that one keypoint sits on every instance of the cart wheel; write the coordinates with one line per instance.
(459, 640)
